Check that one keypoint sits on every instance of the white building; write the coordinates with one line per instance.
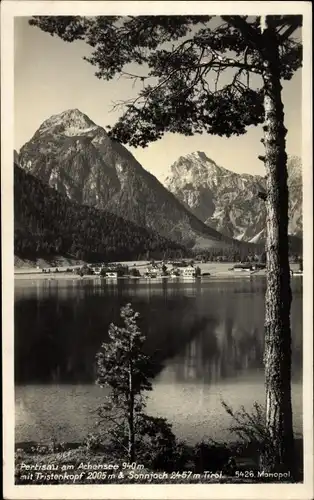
(151, 274)
(112, 275)
(96, 270)
(188, 272)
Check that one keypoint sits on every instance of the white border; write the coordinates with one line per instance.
(10, 9)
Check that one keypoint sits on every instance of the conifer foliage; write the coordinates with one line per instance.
(181, 65)
(123, 366)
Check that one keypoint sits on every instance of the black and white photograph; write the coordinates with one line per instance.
(156, 175)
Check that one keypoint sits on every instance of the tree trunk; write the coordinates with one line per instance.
(131, 441)
(277, 352)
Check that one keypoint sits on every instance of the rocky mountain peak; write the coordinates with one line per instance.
(228, 201)
(194, 167)
(198, 156)
(70, 122)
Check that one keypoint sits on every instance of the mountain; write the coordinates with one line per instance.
(295, 196)
(76, 157)
(48, 224)
(228, 201)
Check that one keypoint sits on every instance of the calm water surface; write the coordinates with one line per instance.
(209, 337)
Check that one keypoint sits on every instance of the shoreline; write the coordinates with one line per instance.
(142, 279)
(212, 270)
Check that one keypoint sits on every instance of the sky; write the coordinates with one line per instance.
(50, 76)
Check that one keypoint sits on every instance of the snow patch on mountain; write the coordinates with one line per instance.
(74, 130)
(259, 237)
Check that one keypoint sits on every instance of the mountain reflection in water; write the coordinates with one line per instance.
(204, 334)
(214, 330)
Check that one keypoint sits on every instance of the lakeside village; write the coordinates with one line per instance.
(181, 269)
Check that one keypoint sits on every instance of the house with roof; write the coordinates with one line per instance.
(111, 274)
(188, 272)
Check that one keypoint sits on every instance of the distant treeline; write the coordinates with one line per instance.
(48, 224)
(242, 254)
(232, 254)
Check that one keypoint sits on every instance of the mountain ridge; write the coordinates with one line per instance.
(229, 201)
(200, 203)
(77, 158)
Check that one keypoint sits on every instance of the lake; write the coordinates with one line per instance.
(208, 336)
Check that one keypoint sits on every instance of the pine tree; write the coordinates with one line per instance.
(127, 371)
(218, 76)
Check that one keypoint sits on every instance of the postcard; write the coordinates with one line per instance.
(157, 257)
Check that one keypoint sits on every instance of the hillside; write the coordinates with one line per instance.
(47, 224)
(72, 154)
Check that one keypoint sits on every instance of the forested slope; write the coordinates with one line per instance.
(47, 223)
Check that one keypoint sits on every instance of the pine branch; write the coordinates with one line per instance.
(132, 76)
(177, 95)
(217, 78)
(252, 36)
(291, 29)
(292, 21)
